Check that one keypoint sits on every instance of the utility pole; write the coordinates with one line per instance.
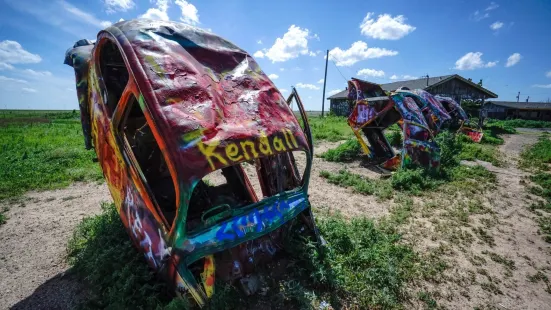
(527, 98)
(518, 96)
(324, 83)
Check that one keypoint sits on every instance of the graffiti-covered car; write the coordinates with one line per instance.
(459, 119)
(198, 148)
(374, 111)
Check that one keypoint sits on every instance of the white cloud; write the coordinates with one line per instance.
(112, 6)
(8, 79)
(371, 72)
(471, 61)
(321, 81)
(403, 77)
(293, 44)
(513, 60)
(283, 90)
(5, 66)
(29, 90)
(281, 69)
(334, 91)
(37, 73)
(548, 74)
(492, 6)
(189, 12)
(258, 54)
(84, 16)
(159, 12)
(357, 51)
(11, 52)
(478, 17)
(542, 86)
(273, 76)
(385, 27)
(259, 42)
(307, 86)
(496, 25)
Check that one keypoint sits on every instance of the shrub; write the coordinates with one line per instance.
(348, 151)
(394, 138)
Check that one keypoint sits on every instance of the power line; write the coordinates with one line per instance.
(339, 71)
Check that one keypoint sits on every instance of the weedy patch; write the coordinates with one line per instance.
(44, 155)
(365, 266)
(348, 151)
(538, 156)
(517, 123)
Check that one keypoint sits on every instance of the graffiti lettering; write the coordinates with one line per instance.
(258, 221)
(246, 149)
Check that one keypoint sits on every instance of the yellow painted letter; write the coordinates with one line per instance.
(252, 148)
(232, 151)
(209, 151)
(264, 145)
(278, 145)
(289, 134)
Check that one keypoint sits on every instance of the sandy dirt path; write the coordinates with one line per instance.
(33, 267)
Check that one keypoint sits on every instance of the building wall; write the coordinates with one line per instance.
(340, 107)
(458, 90)
(501, 112)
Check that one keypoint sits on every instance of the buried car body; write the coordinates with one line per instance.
(199, 149)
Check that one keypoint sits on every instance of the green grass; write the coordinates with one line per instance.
(330, 128)
(2, 218)
(538, 156)
(364, 266)
(43, 155)
(519, 123)
(473, 151)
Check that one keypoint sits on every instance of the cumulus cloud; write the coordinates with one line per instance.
(542, 86)
(492, 6)
(321, 81)
(307, 86)
(28, 90)
(385, 27)
(8, 79)
(11, 52)
(37, 73)
(159, 12)
(394, 77)
(357, 51)
(496, 25)
(334, 91)
(189, 12)
(283, 90)
(471, 61)
(273, 76)
(548, 74)
(259, 42)
(371, 72)
(293, 44)
(513, 60)
(112, 6)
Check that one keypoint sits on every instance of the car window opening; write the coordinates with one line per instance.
(149, 158)
(114, 73)
(222, 193)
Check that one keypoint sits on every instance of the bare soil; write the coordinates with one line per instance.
(33, 268)
(490, 254)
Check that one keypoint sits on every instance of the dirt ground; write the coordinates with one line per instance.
(489, 275)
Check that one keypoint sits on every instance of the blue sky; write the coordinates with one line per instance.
(505, 43)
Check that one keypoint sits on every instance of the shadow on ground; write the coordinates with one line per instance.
(63, 291)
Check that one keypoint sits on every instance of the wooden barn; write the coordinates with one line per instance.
(524, 110)
(454, 86)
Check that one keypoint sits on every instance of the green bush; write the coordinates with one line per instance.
(475, 151)
(348, 151)
(413, 180)
(450, 146)
(394, 138)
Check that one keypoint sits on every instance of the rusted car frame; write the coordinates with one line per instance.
(198, 148)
